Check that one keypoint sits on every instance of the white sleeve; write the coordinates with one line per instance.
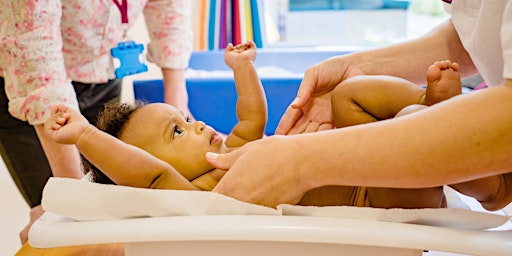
(506, 41)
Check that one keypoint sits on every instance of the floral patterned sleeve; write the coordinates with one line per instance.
(33, 65)
(170, 31)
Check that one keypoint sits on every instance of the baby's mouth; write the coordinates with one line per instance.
(215, 138)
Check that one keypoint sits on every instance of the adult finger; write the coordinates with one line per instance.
(312, 127)
(325, 126)
(306, 88)
(288, 120)
(223, 161)
(300, 126)
(294, 110)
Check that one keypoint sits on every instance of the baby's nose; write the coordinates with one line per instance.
(200, 125)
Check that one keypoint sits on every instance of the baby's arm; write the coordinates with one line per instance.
(123, 163)
(251, 106)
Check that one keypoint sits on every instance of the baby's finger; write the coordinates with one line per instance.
(60, 120)
(56, 126)
(250, 44)
(54, 109)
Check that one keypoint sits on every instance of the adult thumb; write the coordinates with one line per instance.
(222, 161)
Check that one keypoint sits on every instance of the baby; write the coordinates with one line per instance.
(156, 146)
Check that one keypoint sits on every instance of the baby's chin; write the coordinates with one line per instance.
(221, 149)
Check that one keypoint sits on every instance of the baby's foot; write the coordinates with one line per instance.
(443, 82)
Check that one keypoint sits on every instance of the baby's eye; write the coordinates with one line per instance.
(177, 131)
(188, 119)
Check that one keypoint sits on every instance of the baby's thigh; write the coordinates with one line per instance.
(406, 198)
(329, 196)
(382, 97)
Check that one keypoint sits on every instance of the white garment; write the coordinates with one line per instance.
(485, 29)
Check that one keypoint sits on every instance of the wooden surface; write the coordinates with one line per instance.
(90, 250)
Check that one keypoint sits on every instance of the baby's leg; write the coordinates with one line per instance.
(407, 198)
(377, 197)
(493, 192)
(365, 99)
(329, 196)
(443, 82)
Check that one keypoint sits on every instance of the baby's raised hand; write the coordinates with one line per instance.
(65, 125)
(238, 53)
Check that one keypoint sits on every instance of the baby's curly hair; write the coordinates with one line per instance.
(111, 120)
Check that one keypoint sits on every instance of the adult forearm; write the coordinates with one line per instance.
(175, 90)
(465, 138)
(173, 77)
(64, 160)
(411, 59)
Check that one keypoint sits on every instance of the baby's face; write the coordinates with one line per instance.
(166, 133)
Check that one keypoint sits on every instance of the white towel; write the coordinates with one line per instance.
(443, 217)
(86, 201)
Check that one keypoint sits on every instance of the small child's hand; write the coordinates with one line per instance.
(65, 124)
(235, 54)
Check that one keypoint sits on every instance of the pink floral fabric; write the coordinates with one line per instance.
(46, 44)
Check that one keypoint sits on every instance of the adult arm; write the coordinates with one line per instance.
(64, 160)
(439, 145)
(175, 90)
(311, 110)
(36, 77)
(169, 28)
(411, 59)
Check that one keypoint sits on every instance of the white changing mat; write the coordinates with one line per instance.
(86, 201)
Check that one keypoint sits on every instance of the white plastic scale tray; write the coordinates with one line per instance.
(266, 235)
(206, 223)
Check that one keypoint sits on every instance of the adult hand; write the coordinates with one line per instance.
(311, 110)
(256, 178)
